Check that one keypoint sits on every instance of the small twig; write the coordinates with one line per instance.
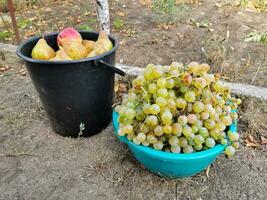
(208, 171)
(255, 76)
(17, 155)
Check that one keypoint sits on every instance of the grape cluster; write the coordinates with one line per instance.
(179, 109)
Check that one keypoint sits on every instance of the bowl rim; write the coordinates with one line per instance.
(168, 156)
(29, 59)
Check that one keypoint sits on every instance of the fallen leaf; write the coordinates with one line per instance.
(122, 88)
(147, 3)
(4, 68)
(250, 138)
(251, 144)
(263, 140)
(23, 72)
(121, 14)
(29, 33)
(165, 26)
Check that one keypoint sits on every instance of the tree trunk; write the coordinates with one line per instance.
(103, 15)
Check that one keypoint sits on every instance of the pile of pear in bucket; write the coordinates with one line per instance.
(71, 47)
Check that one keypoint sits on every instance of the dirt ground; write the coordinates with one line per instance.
(36, 163)
(143, 40)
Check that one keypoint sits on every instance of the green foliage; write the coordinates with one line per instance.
(4, 35)
(166, 11)
(257, 37)
(117, 23)
(23, 23)
(85, 27)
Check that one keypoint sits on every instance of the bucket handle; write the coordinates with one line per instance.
(110, 67)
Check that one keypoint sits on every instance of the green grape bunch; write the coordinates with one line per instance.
(179, 109)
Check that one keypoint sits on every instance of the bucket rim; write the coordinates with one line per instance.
(98, 57)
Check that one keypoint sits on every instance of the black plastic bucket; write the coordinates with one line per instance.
(76, 91)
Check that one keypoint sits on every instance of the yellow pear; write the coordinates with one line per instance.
(89, 45)
(75, 50)
(103, 44)
(42, 51)
(61, 55)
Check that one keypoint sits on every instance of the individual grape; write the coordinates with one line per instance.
(162, 102)
(222, 135)
(166, 117)
(233, 136)
(194, 67)
(218, 110)
(132, 96)
(209, 108)
(187, 78)
(198, 107)
(221, 102)
(130, 113)
(141, 137)
(204, 68)
(204, 132)
(210, 142)
(171, 94)
(189, 107)
(234, 115)
(206, 93)
(204, 115)
(171, 104)
(148, 74)
(145, 143)
(144, 128)
(158, 145)
(187, 131)
(156, 72)
(136, 141)
(158, 131)
(238, 101)
(174, 73)
(182, 120)
(194, 128)
(130, 136)
(198, 146)
(235, 145)
(152, 88)
(140, 115)
(200, 83)
(181, 103)
(151, 120)
(146, 109)
(229, 151)
(227, 120)
(173, 141)
(209, 124)
(127, 129)
(199, 139)
(170, 83)
(121, 132)
(190, 96)
(175, 149)
(183, 89)
(182, 142)
(198, 124)
(209, 78)
(217, 86)
(215, 133)
(162, 92)
(220, 125)
(151, 139)
(162, 138)
(223, 141)
(154, 109)
(150, 66)
(188, 149)
(161, 83)
(167, 129)
(191, 118)
(177, 129)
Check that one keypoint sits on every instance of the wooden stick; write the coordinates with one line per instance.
(13, 17)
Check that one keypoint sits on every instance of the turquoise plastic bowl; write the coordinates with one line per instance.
(170, 164)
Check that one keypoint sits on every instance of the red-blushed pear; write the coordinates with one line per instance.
(42, 51)
(75, 50)
(102, 45)
(68, 35)
(89, 45)
(61, 55)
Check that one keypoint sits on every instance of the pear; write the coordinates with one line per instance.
(75, 50)
(102, 45)
(89, 45)
(61, 55)
(42, 51)
(103, 42)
